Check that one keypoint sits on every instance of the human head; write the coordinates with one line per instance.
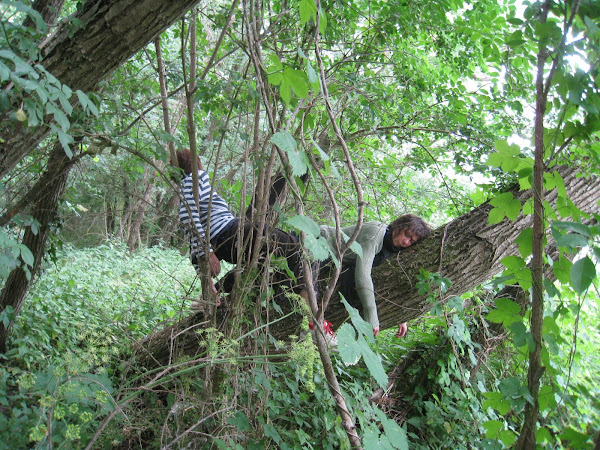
(184, 161)
(411, 226)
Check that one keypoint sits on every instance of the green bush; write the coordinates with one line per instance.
(69, 341)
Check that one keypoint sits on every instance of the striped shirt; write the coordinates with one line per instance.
(214, 220)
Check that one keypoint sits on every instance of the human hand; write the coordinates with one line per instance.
(215, 264)
(214, 290)
(375, 331)
(402, 328)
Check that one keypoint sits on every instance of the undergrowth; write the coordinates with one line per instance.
(62, 383)
(69, 341)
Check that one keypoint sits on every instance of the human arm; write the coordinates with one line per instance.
(365, 289)
(214, 264)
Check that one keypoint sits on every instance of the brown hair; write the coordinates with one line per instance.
(411, 223)
(184, 161)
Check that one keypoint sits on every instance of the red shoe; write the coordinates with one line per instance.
(330, 336)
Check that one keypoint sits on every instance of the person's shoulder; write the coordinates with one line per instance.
(374, 227)
(375, 224)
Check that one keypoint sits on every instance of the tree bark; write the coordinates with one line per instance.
(48, 9)
(140, 205)
(44, 211)
(111, 31)
(466, 250)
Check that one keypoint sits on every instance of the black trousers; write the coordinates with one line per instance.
(276, 242)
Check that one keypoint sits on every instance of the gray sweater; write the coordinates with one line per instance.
(370, 239)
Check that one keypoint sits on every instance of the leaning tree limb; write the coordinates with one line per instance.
(109, 33)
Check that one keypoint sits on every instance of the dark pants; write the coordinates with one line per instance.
(346, 285)
(276, 242)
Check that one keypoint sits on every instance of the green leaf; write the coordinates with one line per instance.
(26, 255)
(551, 288)
(492, 428)
(4, 102)
(275, 78)
(524, 278)
(362, 326)
(525, 242)
(542, 436)
(496, 215)
(315, 84)
(562, 270)
(575, 438)
(495, 160)
(322, 21)
(571, 240)
(574, 227)
(372, 362)
(506, 312)
(508, 157)
(285, 90)
(370, 439)
(87, 103)
(583, 272)
(312, 74)
(394, 432)
(507, 204)
(297, 80)
(496, 400)
(507, 437)
(513, 209)
(318, 247)
(59, 116)
(513, 263)
(305, 224)
(521, 336)
(592, 27)
(64, 102)
(271, 432)
(284, 140)
(308, 10)
(347, 348)
(511, 387)
(287, 143)
(66, 140)
(274, 63)
(240, 421)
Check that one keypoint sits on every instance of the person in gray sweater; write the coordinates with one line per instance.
(378, 242)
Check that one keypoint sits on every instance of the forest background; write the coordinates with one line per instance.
(481, 117)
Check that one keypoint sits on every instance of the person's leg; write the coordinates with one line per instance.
(288, 246)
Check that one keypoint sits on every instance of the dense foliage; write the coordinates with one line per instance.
(389, 107)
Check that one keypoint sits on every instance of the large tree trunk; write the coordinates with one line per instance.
(466, 250)
(44, 210)
(80, 57)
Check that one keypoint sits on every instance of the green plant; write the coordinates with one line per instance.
(57, 405)
(67, 347)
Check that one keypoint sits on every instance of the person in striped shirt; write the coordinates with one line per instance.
(211, 227)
